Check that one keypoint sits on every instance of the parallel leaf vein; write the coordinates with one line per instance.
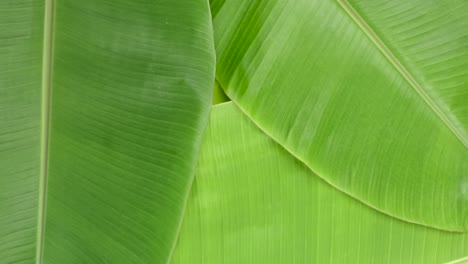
(403, 71)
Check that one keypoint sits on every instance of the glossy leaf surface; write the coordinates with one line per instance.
(252, 202)
(314, 81)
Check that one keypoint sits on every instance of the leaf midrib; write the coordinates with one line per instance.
(402, 70)
(45, 122)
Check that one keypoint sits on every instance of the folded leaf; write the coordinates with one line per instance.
(252, 202)
(313, 80)
(131, 86)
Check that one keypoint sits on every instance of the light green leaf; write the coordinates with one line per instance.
(130, 89)
(310, 77)
(252, 202)
(428, 43)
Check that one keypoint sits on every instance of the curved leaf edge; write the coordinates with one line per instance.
(331, 183)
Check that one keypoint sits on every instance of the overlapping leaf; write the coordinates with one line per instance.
(314, 80)
(252, 202)
(131, 89)
(350, 88)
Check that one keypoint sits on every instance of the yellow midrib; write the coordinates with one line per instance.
(403, 71)
(45, 114)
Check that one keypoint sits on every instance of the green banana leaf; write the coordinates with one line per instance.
(382, 118)
(346, 141)
(428, 42)
(252, 202)
(127, 86)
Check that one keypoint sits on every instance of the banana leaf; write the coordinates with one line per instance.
(252, 202)
(346, 141)
(103, 105)
(428, 43)
(382, 118)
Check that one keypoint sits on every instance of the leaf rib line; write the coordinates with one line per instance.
(47, 55)
(329, 182)
(403, 71)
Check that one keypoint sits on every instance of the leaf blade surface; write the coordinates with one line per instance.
(131, 88)
(253, 202)
(309, 76)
